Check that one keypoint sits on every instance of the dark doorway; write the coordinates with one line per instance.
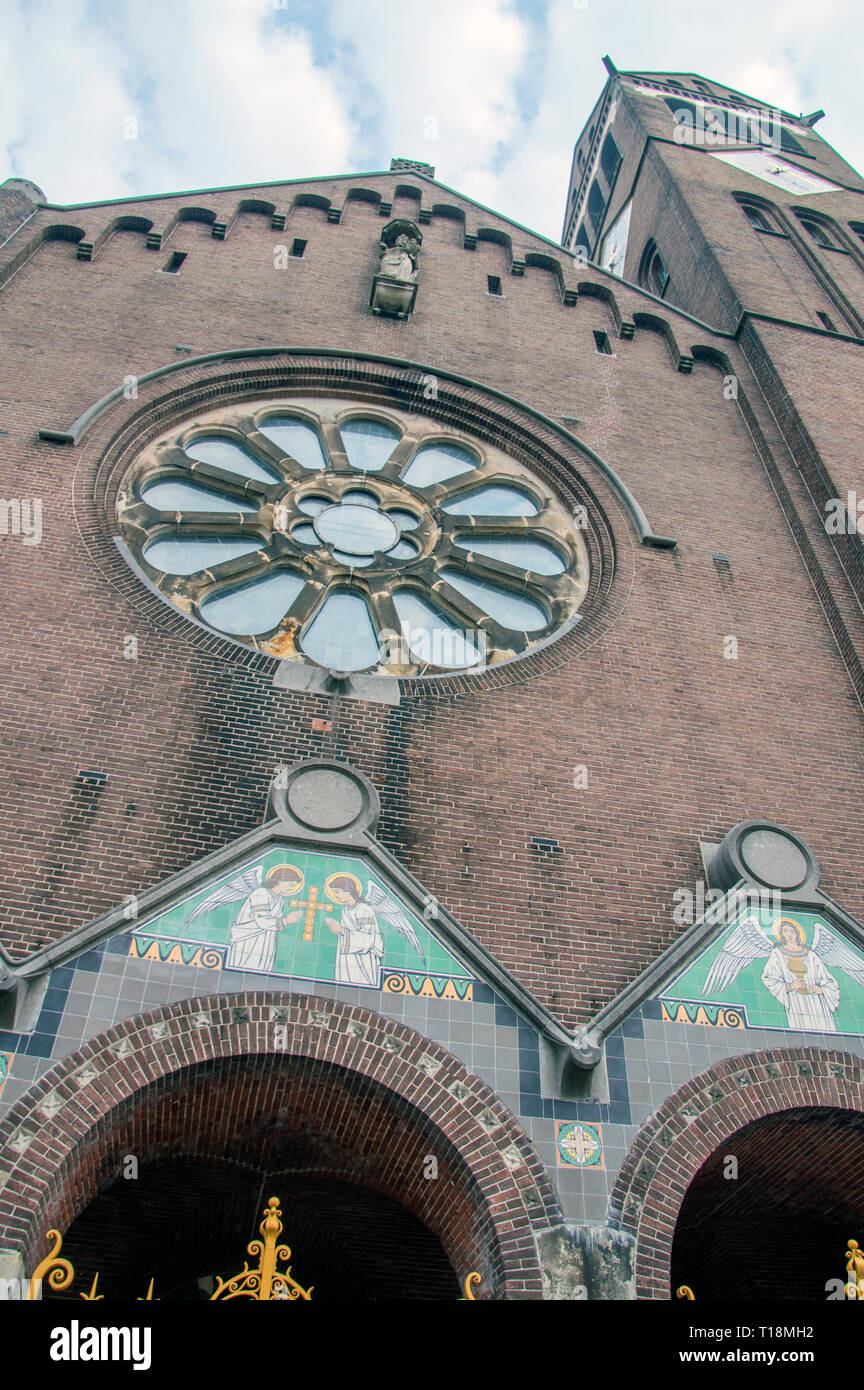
(186, 1220)
(779, 1229)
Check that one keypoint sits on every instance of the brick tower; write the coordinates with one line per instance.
(433, 722)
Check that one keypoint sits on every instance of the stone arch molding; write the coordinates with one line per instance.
(49, 1142)
(690, 1125)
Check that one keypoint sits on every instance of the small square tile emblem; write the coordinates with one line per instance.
(579, 1144)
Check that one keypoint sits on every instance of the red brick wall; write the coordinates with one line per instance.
(679, 743)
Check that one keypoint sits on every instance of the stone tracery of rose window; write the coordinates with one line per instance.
(352, 538)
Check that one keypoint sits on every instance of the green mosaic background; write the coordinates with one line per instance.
(763, 1010)
(308, 960)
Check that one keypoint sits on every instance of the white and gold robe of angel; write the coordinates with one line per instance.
(360, 947)
(254, 933)
(812, 1013)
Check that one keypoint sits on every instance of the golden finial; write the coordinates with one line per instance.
(266, 1282)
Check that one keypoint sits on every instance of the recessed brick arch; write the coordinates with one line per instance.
(674, 1144)
(132, 1085)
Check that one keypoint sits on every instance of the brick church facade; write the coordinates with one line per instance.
(432, 720)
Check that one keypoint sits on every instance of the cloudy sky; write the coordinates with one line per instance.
(113, 98)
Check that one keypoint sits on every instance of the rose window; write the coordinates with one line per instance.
(352, 539)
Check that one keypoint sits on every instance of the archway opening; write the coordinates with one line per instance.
(186, 1222)
(377, 1203)
(769, 1214)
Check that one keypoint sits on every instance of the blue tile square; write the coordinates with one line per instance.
(531, 1106)
(90, 960)
(55, 999)
(49, 1021)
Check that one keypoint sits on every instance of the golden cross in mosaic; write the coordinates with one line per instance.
(312, 906)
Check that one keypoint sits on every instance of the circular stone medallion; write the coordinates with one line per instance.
(325, 799)
(773, 858)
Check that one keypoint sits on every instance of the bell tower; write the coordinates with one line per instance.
(718, 203)
(743, 216)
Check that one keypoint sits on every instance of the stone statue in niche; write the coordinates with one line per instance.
(394, 287)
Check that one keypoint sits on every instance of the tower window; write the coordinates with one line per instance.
(789, 144)
(583, 241)
(174, 262)
(822, 235)
(596, 206)
(756, 217)
(610, 160)
(602, 344)
(677, 104)
(653, 275)
(493, 284)
(298, 247)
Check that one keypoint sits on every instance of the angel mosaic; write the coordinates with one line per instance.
(797, 975)
(360, 949)
(262, 913)
(270, 902)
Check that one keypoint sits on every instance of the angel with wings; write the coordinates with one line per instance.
(360, 948)
(796, 974)
(262, 914)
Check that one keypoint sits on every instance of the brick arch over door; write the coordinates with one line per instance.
(134, 1083)
(671, 1148)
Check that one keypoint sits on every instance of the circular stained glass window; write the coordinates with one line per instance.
(357, 540)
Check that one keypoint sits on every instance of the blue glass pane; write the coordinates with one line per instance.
(368, 444)
(430, 637)
(522, 554)
(404, 520)
(510, 610)
(223, 454)
(436, 463)
(359, 530)
(295, 439)
(361, 499)
(188, 556)
(256, 607)
(185, 497)
(403, 550)
(313, 505)
(341, 635)
(305, 535)
(492, 501)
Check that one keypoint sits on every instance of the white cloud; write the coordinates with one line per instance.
(444, 76)
(220, 93)
(492, 92)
